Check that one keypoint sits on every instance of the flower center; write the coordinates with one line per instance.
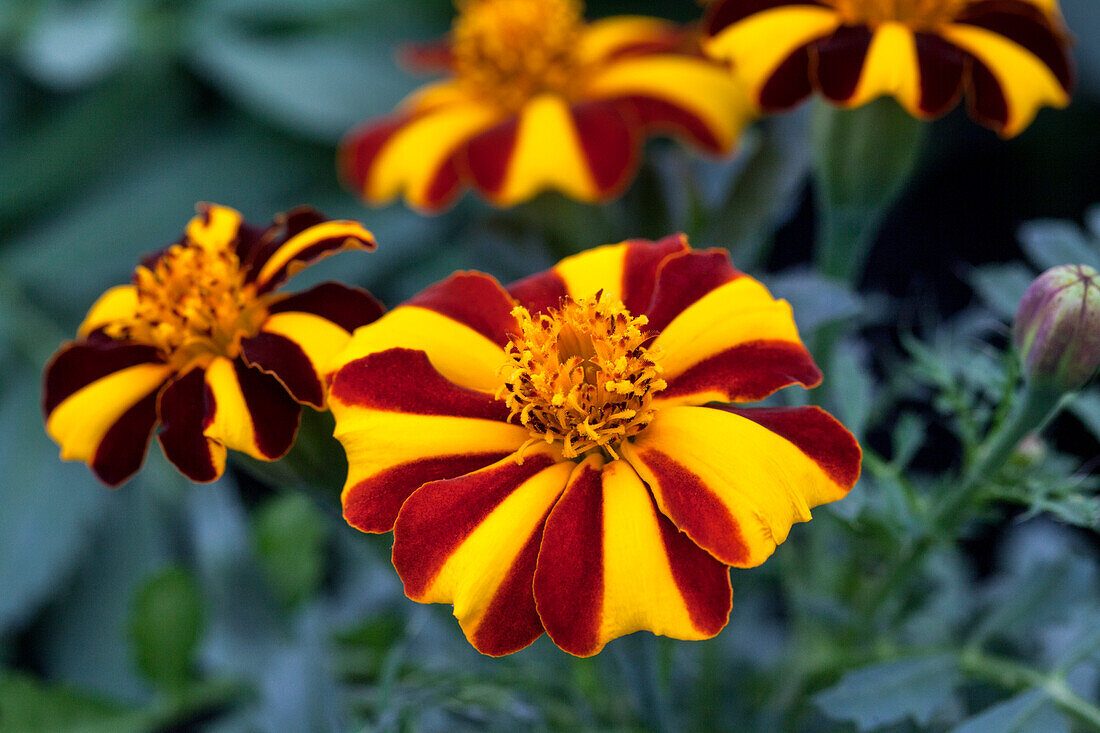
(508, 51)
(194, 303)
(580, 375)
(916, 13)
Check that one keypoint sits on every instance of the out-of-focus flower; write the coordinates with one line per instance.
(546, 458)
(201, 344)
(1009, 57)
(538, 99)
(1057, 328)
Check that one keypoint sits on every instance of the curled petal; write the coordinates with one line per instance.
(184, 409)
(249, 411)
(473, 541)
(628, 35)
(736, 481)
(611, 564)
(294, 249)
(402, 424)
(116, 305)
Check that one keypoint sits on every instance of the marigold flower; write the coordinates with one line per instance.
(538, 99)
(201, 344)
(1009, 57)
(547, 456)
(1057, 328)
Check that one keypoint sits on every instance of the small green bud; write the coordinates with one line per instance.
(1057, 328)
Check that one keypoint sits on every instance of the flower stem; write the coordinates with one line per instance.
(862, 161)
(1014, 676)
(1036, 408)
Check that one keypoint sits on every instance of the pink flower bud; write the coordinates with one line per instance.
(1057, 328)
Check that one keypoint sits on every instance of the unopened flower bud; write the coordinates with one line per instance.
(1057, 328)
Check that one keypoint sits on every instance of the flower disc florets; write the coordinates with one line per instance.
(915, 13)
(581, 375)
(511, 50)
(193, 302)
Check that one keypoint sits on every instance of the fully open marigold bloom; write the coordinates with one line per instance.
(201, 344)
(538, 99)
(1009, 57)
(546, 458)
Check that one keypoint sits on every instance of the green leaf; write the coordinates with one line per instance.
(851, 389)
(1052, 243)
(71, 45)
(165, 624)
(290, 536)
(48, 508)
(1030, 712)
(1086, 408)
(1002, 286)
(816, 301)
(28, 705)
(883, 694)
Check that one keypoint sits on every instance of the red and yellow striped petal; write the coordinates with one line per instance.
(249, 411)
(473, 541)
(184, 413)
(1009, 83)
(403, 424)
(283, 259)
(588, 152)
(303, 333)
(736, 481)
(627, 35)
(735, 343)
(627, 270)
(119, 304)
(415, 153)
(610, 564)
(100, 405)
(767, 42)
(460, 323)
(682, 95)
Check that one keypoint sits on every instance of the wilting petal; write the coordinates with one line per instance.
(403, 424)
(697, 99)
(1009, 83)
(473, 541)
(303, 334)
(942, 68)
(414, 154)
(249, 411)
(1032, 29)
(627, 271)
(100, 405)
(587, 152)
(625, 35)
(735, 343)
(115, 305)
(763, 38)
(183, 410)
(283, 260)
(611, 564)
(460, 323)
(735, 481)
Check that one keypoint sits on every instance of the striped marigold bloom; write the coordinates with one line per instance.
(536, 99)
(549, 456)
(201, 344)
(1008, 57)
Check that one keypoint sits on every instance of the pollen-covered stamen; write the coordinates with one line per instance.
(916, 13)
(508, 51)
(193, 303)
(581, 375)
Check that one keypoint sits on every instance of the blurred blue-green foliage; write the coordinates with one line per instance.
(240, 606)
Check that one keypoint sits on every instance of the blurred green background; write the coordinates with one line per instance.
(243, 606)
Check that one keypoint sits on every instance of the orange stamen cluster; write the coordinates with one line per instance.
(508, 51)
(193, 304)
(581, 376)
(915, 13)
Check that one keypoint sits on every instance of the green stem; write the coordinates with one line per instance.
(1014, 676)
(1033, 412)
(862, 161)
